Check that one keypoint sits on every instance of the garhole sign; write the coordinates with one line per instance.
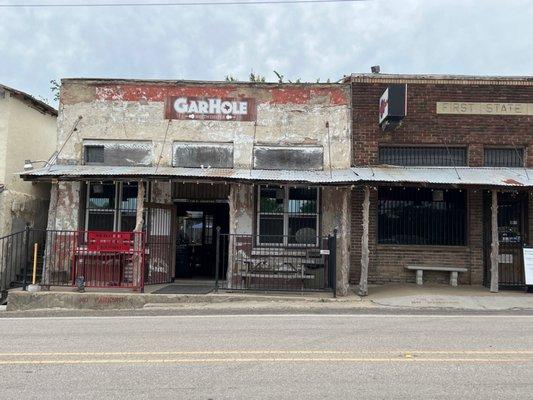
(469, 108)
(210, 108)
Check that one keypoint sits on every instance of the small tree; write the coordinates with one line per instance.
(55, 89)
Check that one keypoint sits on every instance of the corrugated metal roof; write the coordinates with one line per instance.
(517, 177)
(70, 172)
(485, 176)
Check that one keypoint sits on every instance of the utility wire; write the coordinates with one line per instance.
(177, 4)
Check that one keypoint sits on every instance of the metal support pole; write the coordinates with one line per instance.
(25, 258)
(333, 256)
(34, 274)
(217, 258)
(494, 253)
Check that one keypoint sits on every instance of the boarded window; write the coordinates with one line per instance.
(423, 156)
(198, 155)
(504, 157)
(290, 158)
(94, 154)
(118, 152)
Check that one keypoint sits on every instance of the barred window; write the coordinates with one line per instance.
(287, 215)
(423, 156)
(94, 154)
(420, 216)
(504, 157)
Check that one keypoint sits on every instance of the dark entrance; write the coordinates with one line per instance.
(196, 238)
(512, 235)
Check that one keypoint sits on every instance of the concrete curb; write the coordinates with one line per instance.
(24, 301)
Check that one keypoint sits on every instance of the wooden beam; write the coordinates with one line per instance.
(363, 282)
(494, 253)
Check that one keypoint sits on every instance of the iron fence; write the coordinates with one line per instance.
(98, 258)
(309, 266)
(16, 259)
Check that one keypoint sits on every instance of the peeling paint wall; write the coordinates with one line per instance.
(64, 206)
(307, 114)
(336, 203)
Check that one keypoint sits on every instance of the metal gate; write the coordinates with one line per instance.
(512, 236)
(160, 232)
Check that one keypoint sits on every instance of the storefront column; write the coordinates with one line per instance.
(138, 241)
(336, 214)
(494, 256)
(363, 282)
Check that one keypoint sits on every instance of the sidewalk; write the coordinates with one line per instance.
(388, 297)
(447, 297)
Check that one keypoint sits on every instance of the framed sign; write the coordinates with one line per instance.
(528, 265)
(210, 108)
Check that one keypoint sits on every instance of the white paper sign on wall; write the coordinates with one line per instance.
(528, 265)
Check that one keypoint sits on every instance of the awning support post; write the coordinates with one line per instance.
(363, 282)
(494, 253)
(138, 257)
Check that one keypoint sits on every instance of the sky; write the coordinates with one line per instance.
(306, 41)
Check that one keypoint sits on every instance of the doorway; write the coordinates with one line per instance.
(512, 236)
(196, 239)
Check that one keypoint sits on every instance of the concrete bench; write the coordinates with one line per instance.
(454, 272)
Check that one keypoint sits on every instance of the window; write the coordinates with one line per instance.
(94, 154)
(295, 157)
(287, 215)
(118, 152)
(421, 216)
(197, 155)
(111, 206)
(504, 157)
(423, 156)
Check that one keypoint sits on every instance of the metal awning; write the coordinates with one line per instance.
(466, 176)
(87, 172)
(461, 176)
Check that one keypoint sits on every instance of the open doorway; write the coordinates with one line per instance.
(196, 239)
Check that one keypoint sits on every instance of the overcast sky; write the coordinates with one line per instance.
(485, 37)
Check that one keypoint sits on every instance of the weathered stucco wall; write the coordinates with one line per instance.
(286, 115)
(336, 214)
(26, 133)
(64, 206)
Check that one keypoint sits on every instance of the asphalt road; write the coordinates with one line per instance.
(268, 357)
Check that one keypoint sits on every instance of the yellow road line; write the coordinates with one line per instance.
(267, 352)
(264, 360)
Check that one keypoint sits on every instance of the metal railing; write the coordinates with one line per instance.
(246, 265)
(16, 258)
(97, 258)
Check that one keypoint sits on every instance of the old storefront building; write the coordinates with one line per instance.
(446, 163)
(147, 171)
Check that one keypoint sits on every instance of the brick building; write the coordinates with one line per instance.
(433, 172)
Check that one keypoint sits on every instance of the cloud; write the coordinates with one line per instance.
(301, 41)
